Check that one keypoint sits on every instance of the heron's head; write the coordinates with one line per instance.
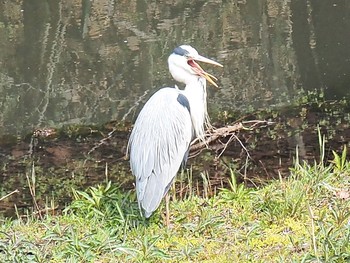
(184, 68)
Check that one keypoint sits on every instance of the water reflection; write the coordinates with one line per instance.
(87, 62)
(90, 62)
(321, 44)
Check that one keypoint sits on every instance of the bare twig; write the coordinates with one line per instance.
(313, 236)
(32, 189)
(226, 144)
(110, 134)
(9, 194)
(213, 134)
(46, 210)
(243, 146)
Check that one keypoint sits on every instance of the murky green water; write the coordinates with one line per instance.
(72, 63)
(89, 62)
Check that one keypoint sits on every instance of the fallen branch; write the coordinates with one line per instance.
(214, 134)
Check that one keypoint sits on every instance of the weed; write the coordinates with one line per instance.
(302, 218)
(104, 202)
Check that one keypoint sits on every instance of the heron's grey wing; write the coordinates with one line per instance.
(158, 144)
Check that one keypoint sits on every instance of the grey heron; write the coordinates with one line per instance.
(168, 122)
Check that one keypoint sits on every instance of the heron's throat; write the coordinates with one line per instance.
(196, 94)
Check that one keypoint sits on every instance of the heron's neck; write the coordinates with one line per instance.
(196, 93)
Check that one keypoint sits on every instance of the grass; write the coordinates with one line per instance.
(302, 218)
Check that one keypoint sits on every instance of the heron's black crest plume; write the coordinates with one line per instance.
(180, 51)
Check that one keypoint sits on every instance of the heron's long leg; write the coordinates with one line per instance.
(167, 211)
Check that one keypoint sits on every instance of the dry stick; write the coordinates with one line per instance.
(314, 244)
(226, 144)
(245, 173)
(46, 210)
(265, 170)
(32, 191)
(111, 133)
(9, 194)
(241, 143)
(214, 134)
(102, 141)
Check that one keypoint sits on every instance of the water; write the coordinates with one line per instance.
(89, 62)
(66, 63)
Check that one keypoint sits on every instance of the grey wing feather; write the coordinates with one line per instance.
(158, 144)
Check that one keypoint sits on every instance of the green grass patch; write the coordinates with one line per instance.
(302, 218)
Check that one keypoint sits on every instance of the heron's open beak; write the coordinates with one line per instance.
(192, 62)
